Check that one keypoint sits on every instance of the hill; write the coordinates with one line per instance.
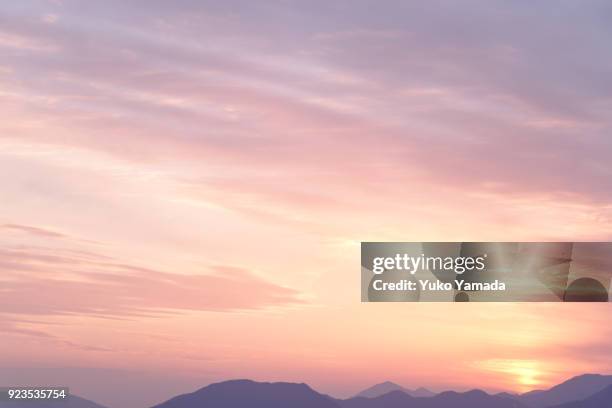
(246, 393)
(71, 402)
(602, 399)
(388, 386)
(574, 389)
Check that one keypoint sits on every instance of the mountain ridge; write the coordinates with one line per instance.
(71, 402)
(574, 389)
(602, 399)
(583, 391)
(388, 386)
(240, 393)
(243, 393)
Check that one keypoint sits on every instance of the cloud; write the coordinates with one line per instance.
(176, 129)
(299, 123)
(35, 283)
(41, 232)
(352, 99)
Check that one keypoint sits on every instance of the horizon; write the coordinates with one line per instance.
(410, 387)
(186, 184)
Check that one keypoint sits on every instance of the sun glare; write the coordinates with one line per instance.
(524, 374)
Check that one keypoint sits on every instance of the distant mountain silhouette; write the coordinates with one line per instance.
(422, 392)
(507, 395)
(71, 402)
(393, 399)
(586, 391)
(574, 389)
(602, 399)
(449, 399)
(470, 399)
(251, 394)
(388, 386)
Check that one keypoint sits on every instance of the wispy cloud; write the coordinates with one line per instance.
(35, 283)
(242, 101)
(165, 160)
(41, 232)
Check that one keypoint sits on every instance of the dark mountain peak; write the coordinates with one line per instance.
(475, 393)
(473, 399)
(241, 393)
(590, 375)
(381, 389)
(586, 379)
(602, 399)
(245, 381)
(582, 377)
(246, 385)
(237, 382)
(448, 394)
(393, 395)
(574, 389)
(392, 399)
(389, 386)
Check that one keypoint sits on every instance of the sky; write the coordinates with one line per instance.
(185, 186)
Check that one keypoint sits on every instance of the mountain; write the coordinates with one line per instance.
(388, 386)
(392, 399)
(422, 392)
(449, 399)
(507, 395)
(71, 402)
(602, 399)
(472, 399)
(574, 389)
(246, 393)
(586, 391)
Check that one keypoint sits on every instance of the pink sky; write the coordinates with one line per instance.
(185, 186)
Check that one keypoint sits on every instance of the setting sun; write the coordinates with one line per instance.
(524, 374)
(185, 187)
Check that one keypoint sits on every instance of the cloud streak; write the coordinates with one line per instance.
(434, 102)
(41, 232)
(38, 284)
(202, 169)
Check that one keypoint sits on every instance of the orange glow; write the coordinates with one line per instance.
(183, 192)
